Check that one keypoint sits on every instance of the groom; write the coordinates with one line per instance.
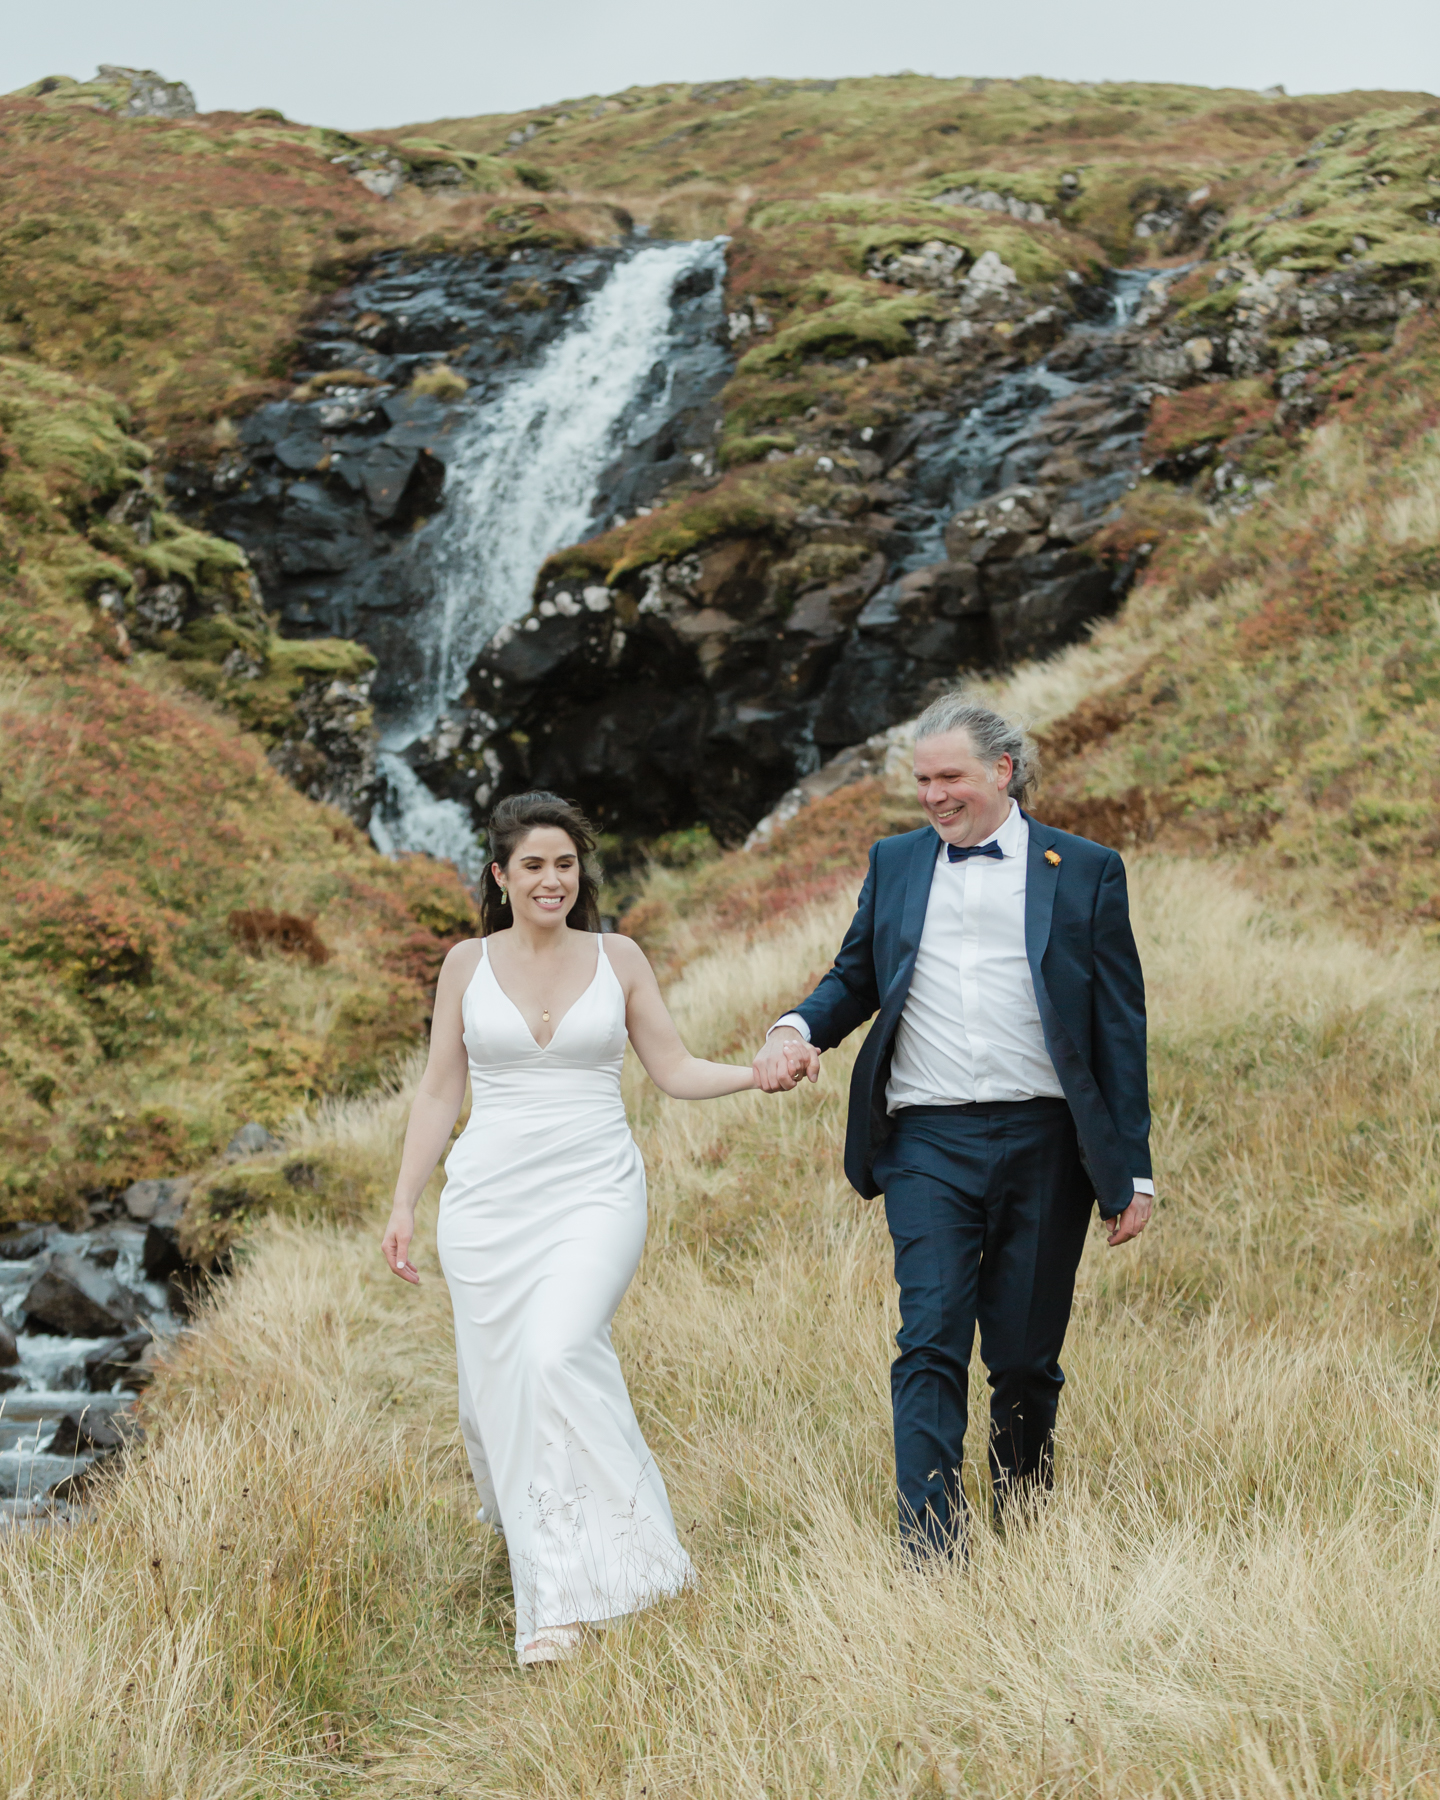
(1001, 1089)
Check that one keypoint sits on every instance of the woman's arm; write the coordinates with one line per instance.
(657, 1043)
(435, 1108)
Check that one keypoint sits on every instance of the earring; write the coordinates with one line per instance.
(503, 900)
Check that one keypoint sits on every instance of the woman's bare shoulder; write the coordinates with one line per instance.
(626, 955)
(462, 960)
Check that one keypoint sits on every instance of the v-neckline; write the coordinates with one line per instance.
(543, 1048)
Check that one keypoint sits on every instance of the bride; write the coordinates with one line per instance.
(542, 1222)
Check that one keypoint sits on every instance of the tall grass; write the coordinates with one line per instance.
(1234, 1591)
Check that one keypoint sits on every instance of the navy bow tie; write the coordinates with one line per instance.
(958, 852)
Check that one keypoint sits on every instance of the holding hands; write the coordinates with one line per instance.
(783, 1059)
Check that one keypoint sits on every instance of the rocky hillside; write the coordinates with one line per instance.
(921, 307)
(986, 356)
(185, 942)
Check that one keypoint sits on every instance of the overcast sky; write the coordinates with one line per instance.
(364, 63)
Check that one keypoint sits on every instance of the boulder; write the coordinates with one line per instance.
(1011, 523)
(252, 1139)
(9, 1380)
(142, 1199)
(160, 1255)
(9, 1349)
(150, 95)
(76, 1299)
(21, 1242)
(86, 1431)
(76, 1488)
(118, 1360)
(318, 532)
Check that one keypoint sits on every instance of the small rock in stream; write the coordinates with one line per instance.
(119, 1360)
(74, 1298)
(9, 1349)
(85, 1431)
(160, 1255)
(21, 1242)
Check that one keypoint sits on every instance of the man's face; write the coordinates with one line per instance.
(964, 799)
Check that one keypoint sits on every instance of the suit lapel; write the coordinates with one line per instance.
(919, 878)
(1041, 878)
(919, 873)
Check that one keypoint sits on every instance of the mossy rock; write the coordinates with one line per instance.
(736, 450)
(875, 328)
(224, 1202)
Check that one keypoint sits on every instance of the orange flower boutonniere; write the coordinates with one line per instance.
(1053, 858)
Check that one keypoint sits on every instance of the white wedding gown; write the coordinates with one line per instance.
(542, 1222)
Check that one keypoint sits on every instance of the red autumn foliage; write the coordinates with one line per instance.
(255, 928)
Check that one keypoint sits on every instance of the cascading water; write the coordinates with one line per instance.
(525, 481)
(994, 444)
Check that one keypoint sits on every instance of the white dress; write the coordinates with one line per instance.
(542, 1222)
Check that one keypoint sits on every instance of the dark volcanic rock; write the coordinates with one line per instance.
(76, 1299)
(87, 1431)
(21, 1242)
(161, 1256)
(118, 1360)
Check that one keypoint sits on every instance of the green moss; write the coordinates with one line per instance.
(1035, 187)
(736, 450)
(759, 499)
(1375, 180)
(72, 436)
(875, 327)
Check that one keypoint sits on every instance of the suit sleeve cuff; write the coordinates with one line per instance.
(791, 1019)
(1143, 1184)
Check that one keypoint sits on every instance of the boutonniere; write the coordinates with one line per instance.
(1053, 858)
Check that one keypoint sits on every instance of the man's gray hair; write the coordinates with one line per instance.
(990, 735)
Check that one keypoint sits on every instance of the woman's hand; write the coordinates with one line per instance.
(396, 1245)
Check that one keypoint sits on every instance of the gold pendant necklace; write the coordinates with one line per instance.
(546, 1017)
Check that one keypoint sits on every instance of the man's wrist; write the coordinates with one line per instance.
(790, 1022)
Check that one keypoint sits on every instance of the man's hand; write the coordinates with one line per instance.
(783, 1059)
(1130, 1223)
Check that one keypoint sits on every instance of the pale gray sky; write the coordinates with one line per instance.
(357, 63)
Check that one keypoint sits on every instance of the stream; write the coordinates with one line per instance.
(64, 1397)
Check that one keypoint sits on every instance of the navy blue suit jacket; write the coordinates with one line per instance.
(1088, 987)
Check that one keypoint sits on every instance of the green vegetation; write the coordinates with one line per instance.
(136, 1033)
(1368, 189)
(154, 274)
(1292, 700)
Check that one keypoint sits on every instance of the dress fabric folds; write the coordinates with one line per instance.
(541, 1226)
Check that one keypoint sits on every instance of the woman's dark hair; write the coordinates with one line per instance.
(512, 821)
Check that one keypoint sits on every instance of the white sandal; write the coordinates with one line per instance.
(552, 1644)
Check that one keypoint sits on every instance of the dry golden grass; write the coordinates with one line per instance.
(1235, 1591)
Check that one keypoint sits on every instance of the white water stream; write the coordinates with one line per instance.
(524, 482)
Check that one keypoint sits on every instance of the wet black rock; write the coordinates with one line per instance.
(118, 1360)
(338, 495)
(9, 1350)
(89, 1431)
(75, 1299)
(161, 1255)
(703, 687)
(21, 1242)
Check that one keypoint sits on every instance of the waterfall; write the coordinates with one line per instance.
(524, 482)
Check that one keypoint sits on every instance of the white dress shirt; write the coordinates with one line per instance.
(970, 1029)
